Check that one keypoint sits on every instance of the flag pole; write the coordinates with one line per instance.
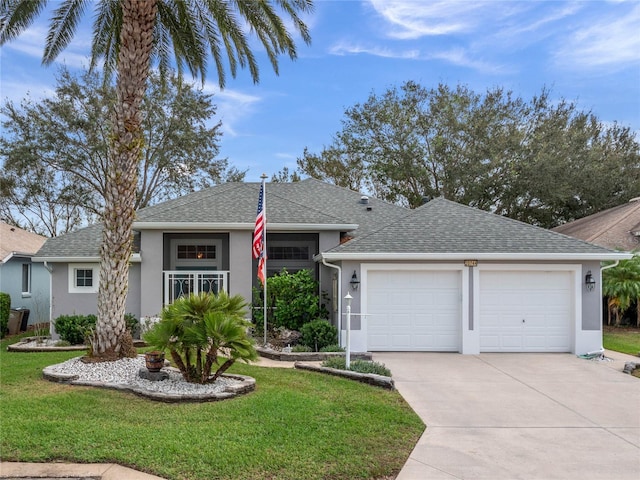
(264, 252)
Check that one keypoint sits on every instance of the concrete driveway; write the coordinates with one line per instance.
(520, 416)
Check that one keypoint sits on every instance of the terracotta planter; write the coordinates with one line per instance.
(154, 361)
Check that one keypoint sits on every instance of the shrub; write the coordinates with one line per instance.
(292, 301)
(332, 348)
(132, 323)
(5, 311)
(360, 366)
(300, 349)
(318, 333)
(74, 328)
(198, 328)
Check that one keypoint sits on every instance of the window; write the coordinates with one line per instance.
(26, 278)
(197, 252)
(83, 278)
(287, 253)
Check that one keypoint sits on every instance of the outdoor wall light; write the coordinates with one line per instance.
(589, 281)
(355, 283)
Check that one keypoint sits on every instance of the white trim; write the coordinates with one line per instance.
(464, 291)
(336, 256)
(280, 227)
(94, 267)
(135, 258)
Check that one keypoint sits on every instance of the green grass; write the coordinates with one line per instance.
(622, 339)
(296, 425)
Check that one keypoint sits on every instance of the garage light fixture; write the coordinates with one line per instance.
(355, 283)
(589, 281)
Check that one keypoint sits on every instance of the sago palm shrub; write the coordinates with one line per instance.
(197, 329)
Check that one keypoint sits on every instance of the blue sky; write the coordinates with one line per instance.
(588, 52)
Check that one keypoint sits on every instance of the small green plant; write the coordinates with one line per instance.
(301, 349)
(62, 343)
(332, 348)
(318, 334)
(74, 328)
(198, 328)
(132, 322)
(360, 366)
(5, 311)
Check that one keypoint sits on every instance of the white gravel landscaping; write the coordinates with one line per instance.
(123, 374)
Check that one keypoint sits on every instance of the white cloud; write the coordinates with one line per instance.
(347, 48)
(233, 106)
(31, 43)
(611, 41)
(461, 58)
(410, 19)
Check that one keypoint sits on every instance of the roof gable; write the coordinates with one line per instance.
(615, 228)
(14, 240)
(445, 227)
(309, 203)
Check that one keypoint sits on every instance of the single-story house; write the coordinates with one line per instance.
(27, 283)
(442, 277)
(617, 228)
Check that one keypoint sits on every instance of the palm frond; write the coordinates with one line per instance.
(62, 28)
(16, 16)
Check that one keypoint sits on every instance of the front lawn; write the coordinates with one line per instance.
(296, 425)
(622, 339)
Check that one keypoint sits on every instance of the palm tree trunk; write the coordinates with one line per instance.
(138, 19)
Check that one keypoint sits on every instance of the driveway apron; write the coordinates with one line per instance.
(520, 416)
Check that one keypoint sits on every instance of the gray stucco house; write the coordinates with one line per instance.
(443, 277)
(26, 283)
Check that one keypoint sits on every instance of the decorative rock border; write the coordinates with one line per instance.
(369, 378)
(24, 346)
(246, 384)
(308, 356)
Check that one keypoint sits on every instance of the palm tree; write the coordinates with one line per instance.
(128, 35)
(621, 285)
(197, 328)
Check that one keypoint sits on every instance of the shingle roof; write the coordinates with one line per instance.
(307, 202)
(442, 226)
(81, 243)
(18, 241)
(615, 228)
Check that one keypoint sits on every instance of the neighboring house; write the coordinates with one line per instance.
(27, 283)
(617, 228)
(443, 277)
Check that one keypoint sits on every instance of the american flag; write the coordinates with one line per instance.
(258, 237)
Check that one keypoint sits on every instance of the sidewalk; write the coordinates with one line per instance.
(70, 471)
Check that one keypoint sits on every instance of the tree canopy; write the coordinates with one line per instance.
(542, 161)
(54, 151)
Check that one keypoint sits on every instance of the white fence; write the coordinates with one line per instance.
(178, 283)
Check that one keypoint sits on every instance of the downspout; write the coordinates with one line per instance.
(339, 269)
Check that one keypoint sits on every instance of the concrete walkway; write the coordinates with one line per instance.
(70, 471)
(520, 416)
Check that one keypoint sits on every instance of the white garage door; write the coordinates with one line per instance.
(413, 310)
(525, 311)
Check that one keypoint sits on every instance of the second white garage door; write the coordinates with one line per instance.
(525, 311)
(414, 310)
